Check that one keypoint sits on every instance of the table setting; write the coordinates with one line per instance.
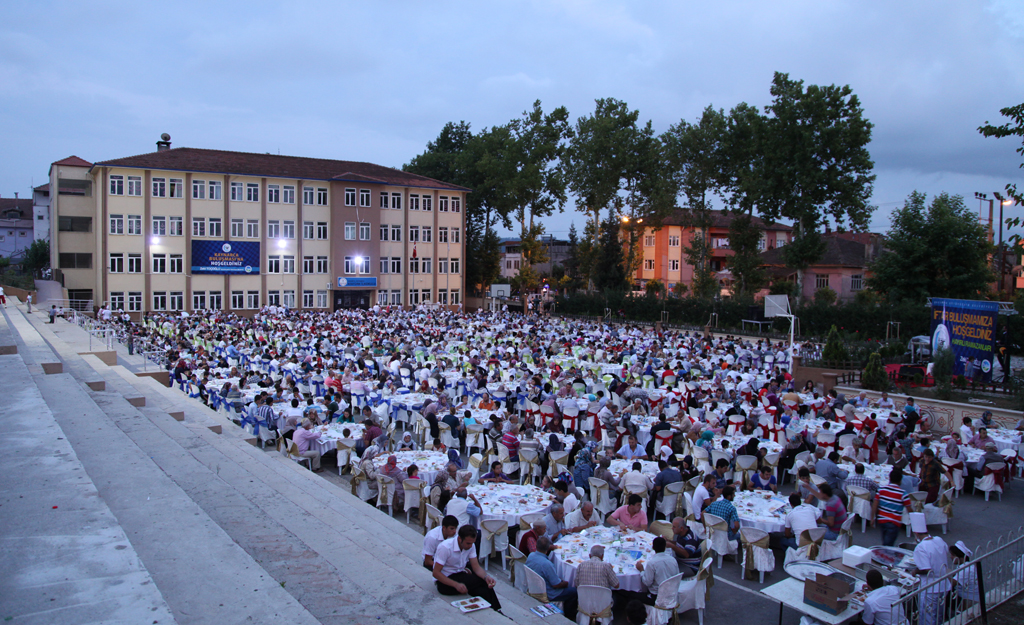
(623, 549)
(762, 510)
(508, 502)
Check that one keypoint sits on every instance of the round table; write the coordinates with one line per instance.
(1005, 438)
(762, 510)
(332, 433)
(508, 502)
(622, 551)
(428, 462)
(620, 467)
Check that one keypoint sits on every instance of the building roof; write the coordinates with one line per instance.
(73, 161)
(275, 166)
(43, 188)
(839, 252)
(720, 219)
(22, 204)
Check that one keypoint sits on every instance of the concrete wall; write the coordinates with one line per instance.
(948, 415)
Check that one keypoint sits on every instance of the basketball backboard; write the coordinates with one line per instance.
(776, 306)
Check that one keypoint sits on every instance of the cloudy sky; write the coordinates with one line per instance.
(374, 81)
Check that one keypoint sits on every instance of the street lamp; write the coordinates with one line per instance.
(1002, 202)
(984, 198)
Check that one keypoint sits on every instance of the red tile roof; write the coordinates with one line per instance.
(73, 161)
(275, 166)
(839, 252)
(24, 204)
(43, 188)
(720, 219)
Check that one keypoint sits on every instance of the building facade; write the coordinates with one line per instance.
(510, 253)
(843, 266)
(41, 212)
(15, 226)
(193, 229)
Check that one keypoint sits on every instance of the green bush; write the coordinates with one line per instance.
(835, 349)
(825, 297)
(874, 377)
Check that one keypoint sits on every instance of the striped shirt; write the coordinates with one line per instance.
(891, 502)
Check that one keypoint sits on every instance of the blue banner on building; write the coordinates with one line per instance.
(968, 327)
(234, 257)
(357, 282)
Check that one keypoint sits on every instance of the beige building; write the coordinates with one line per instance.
(194, 229)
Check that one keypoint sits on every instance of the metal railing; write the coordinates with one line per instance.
(978, 585)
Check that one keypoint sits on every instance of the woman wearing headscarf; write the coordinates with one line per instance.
(687, 470)
(583, 468)
(453, 457)
(367, 466)
(707, 441)
(390, 469)
(407, 443)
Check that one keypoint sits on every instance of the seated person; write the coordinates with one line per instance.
(457, 571)
(685, 544)
(449, 525)
(658, 568)
(528, 541)
(764, 480)
(834, 513)
(632, 450)
(581, 518)
(724, 509)
(630, 516)
(467, 513)
(557, 589)
(803, 516)
(495, 475)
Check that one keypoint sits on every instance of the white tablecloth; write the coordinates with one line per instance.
(428, 462)
(762, 510)
(332, 433)
(622, 551)
(508, 502)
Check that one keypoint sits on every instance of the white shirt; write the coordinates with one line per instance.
(430, 542)
(860, 455)
(452, 559)
(571, 503)
(932, 554)
(966, 433)
(803, 517)
(878, 605)
(699, 495)
(636, 480)
(575, 518)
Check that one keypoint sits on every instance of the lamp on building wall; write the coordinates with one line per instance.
(282, 243)
(154, 241)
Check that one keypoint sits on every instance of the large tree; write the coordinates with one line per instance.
(609, 268)
(938, 250)
(1010, 129)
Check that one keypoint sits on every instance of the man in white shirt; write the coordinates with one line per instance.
(802, 517)
(581, 518)
(635, 481)
(878, 604)
(931, 557)
(460, 508)
(702, 495)
(856, 452)
(966, 431)
(449, 525)
(457, 571)
(659, 567)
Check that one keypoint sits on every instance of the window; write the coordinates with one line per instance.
(177, 300)
(414, 202)
(364, 268)
(159, 263)
(396, 264)
(414, 297)
(442, 297)
(117, 263)
(159, 187)
(117, 188)
(117, 224)
(508, 264)
(198, 227)
(350, 231)
(289, 194)
(198, 300)
(289, 229)
(177, 184)
(673, 265)
(425, 234)
(382, 298)
(252, 299)
(821, 281)
(425, 296)
(673, 240)
(364, 232)
(321, 230)
(396, 233)
(455, 297)
(350, 264)
(74, 224)
(135, 185)
(384, 230)
(215, 190)
(288, 264)
(454, 265)
(252, 192)
(350, 197)
(307, 230)
(307, 195)
(442, 265)
(321, 196)
(307, 264)
(176, 226)
(237, 300)
(414, 234)
(216, 301)
(274, 264)
(117, 300)
(414, 265)
(252, 228)
(456, 208)
(273, 229)
(199, 193)
(237, 228)
(385, 264)
(273, 298)
(427, 203)
(425, 265)
(364, 197)
(134, 224)
(383, 199)
(321, 264)
(215, 229)
(396, 297)
(159, 300)
(135, 263)
(321, 299)
(289, 299)
(442, 235)
(176, 264)
(396, 201)
(649, 264)
(780, 242)
(442, 204)
(307, 299)
(456, 235)
(274, 193)
(236, 191)
(761, 243)
(856, 282)
(649, 241)
(134, 301)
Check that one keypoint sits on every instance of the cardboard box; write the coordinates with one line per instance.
(828, 594)
(855, 556)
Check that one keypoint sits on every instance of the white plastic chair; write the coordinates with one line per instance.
(756, 557)
(447, 439)
(595, 605)
(718, 536)
(600, 496)
(535, 586)
(860, 505)
(988, 484)
(518, 564)
(475, 437)
(386, 493)
(290, 450)
(345, 455)
(957, 473)
(413, 489)
(493, 539)
(434, 516)
(746, 466)
(558, 462)
(507, 466)
(670, 499)
(362, 488)
(832, 549)
(529, 465)
(667, 601)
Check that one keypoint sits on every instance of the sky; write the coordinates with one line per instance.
(375, 81)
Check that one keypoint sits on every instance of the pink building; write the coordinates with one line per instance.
(843, 268)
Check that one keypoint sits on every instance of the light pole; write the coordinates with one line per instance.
(1002, 256)
(984, 198)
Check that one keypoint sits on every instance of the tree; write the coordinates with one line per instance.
(874, 377)
(574, 262)
(936, 251)
(1016, 129)
(37, 256)
(835, 351)
(744, 241)
(942, 371)
(655, 288)
(609, 271)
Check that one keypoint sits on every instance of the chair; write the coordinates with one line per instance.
(955, 466)
(667, 602)
(600, 496)
(433, 518)
(757, 556)
(746, 466)
(360, 487)
(701, 457)
(992, 482)
(718, 536)
(827, 439)
(772, 460)
(447, 439)
(846, 440)
(663, 529)
(518, 564)
(386, 493)
(493, 539)
(290, 450)
(413, 488)
(663, 439)
(721, 455)
(475, 462)
(570, 417)
(693, 592)
(735, 424)
(345, 455)
(940, 512)
(670, 500)
(644, 495)
(546, 412)
(809, 543)
(535, 586)
(595, 605)
(507, 465)
(832, 549)
(529, 465)
(558, 462)
(861, 505)
(475, 437)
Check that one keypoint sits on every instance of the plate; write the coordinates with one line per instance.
(804, 569)
(472, 604)
(889, 556)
